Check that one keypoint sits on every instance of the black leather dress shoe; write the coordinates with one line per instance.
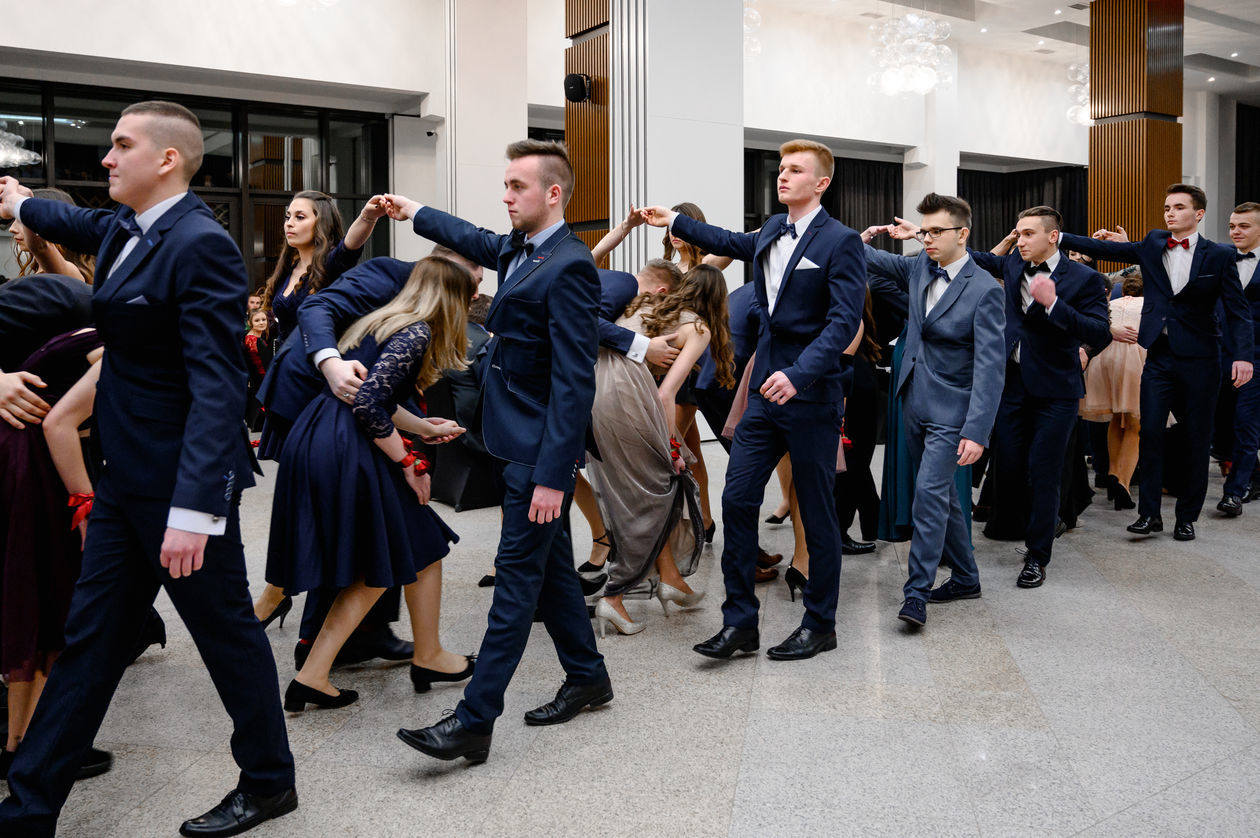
(801, 644)
(1032, 575)
(1184, 531)
(849, 547)
(728, 641)
(914, 612)
(240, 812)
(1231, 505)
(369, 644)
(1146, 524)
(448, 739)
(95, 763)
(569, 701)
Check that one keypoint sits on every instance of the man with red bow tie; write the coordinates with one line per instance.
(1184, 276)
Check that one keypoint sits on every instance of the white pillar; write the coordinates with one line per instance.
(933, 166)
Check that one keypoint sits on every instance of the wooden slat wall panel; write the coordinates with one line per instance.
(586, 127)
(591, 238)
(1131, 164)
(1135, 57)
(583, 16)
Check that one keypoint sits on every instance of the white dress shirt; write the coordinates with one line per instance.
(779, 254)
(1026, 297)
(1177, 263)
(937, 287)
(179, 518)
(1247, 268)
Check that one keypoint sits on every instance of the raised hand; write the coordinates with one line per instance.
(633, 219)
(1117, 235)
(400, 207)
(375, 209)
(871, 232)
(9, 193)
(902, 229)
(657, 216)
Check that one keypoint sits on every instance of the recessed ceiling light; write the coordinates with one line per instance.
(1233, 55)
(982, 30)
(1211, 78)
(1058, 11)
(1041, 43)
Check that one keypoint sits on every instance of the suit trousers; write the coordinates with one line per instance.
(1187, 388)
(809, 433)
(1030, 446)
(1246, 439)
(940, 531)
(121, 576)
(533, 572)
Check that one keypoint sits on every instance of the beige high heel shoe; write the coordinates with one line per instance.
(605, 614)
(667, 593)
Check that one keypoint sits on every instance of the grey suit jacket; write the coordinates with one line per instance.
(955, 353)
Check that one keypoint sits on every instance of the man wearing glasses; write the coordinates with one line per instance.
(950, 384)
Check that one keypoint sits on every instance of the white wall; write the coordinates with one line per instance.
(1207, 156)
(544, 36)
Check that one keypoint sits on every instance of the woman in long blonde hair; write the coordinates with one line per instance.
(351, 508)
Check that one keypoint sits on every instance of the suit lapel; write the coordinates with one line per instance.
(1160, 238)
(147, 242)
(952, 290)
(764, 240)
(1196, 261)
(799, 251)
(527, 267)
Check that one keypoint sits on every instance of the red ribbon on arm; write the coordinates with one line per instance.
(82, 504)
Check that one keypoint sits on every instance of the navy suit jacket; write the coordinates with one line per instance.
(538, 383)
(1049, 344)
(819, 307)
(1190, 317)
(170, 404)
(35, 309)
(617, 289)
(955, 351)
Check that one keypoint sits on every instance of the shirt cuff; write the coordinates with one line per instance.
(1052, 305)
(17, 208)
(670, 225)
(323, 355)
(638, 348)
(190, 520)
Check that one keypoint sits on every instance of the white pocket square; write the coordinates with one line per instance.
(805, 264)
(142, 300)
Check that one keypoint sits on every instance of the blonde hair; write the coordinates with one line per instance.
(825, 160)
(437, 292)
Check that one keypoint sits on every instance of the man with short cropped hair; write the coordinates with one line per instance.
(950, 383)
(1244, 478)
(1183, 275)
(169, 303)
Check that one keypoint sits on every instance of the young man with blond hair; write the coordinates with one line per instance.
(809, 275)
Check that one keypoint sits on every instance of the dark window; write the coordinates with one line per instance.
(284, 153)
(997, 199)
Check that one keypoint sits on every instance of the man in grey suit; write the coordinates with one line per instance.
(950, 383)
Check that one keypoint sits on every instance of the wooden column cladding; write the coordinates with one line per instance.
(1135, 92)
(586, 124)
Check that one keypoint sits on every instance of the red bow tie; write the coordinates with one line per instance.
(1175, 243)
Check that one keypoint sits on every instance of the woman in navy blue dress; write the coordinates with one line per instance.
(315, 254)
(351, 508)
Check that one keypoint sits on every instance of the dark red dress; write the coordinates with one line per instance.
(40, 555)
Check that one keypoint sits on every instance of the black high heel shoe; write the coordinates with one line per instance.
(486, 581)
(778, 519)
(1120, 494)
(796, 581)
(591, 567)
(298, 695)
(424, 679)
(709, 531)
(279, 612)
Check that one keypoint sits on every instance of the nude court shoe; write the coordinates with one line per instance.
(605, 614)
(667, 593)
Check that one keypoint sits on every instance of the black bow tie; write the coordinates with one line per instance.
(938, 272)
(130, 225)
(1032, 269)
(1242, 256)
(788, 229)
(517, 242)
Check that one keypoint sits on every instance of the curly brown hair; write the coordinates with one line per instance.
(328, 232)
(703, 293)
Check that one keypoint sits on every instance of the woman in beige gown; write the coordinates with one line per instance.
(1113, 390)
(648, 499)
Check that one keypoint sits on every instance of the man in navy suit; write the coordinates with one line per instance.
(950, 383)
(169, 303)
(617, 290)
(538, 388)
(1053, 306)
(810, 282)
(1244, 232)
(1183, 276)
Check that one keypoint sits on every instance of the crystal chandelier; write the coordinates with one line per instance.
(911, 54)
(752, 22)
(1078, 74)
(12, 154)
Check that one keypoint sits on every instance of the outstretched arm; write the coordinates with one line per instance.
(1112, 248)
(712, 239)
(616, 235)
(79, 229)
(473, 243)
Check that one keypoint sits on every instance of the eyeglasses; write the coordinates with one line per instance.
(934, 233)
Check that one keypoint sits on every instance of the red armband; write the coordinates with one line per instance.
(81, 502)
(406, 461)
(423, 466)
(675, 450)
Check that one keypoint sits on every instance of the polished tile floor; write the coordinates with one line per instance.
(1123, 698)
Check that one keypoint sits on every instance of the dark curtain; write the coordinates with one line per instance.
(997, 199)
(1247, 156)
(862, 193)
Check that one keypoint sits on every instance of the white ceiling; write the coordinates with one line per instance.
(1215, 30)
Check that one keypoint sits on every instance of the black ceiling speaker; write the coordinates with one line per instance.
(577, 87)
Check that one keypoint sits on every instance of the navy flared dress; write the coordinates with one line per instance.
(342, 509)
